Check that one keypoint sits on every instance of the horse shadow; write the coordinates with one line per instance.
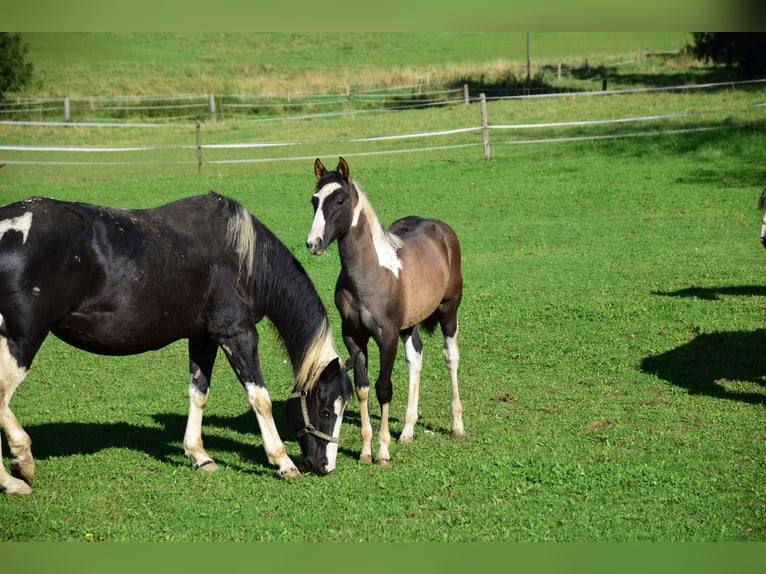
(715, 293)
(164, 442)
(708, 363)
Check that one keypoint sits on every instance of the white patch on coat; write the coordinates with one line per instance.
(386, 244)
(22, 224)
(11, 373)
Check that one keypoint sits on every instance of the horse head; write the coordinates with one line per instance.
(316, 415)
(335, 201)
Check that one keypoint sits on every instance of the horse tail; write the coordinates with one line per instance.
(429, 323)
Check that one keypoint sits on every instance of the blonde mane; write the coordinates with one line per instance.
(240, 235)
(386, 244)
(320, 353)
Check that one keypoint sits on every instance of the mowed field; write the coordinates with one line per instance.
(612, 332)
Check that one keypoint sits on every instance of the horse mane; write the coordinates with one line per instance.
(240, 236)
(283, 286)
(386, 243)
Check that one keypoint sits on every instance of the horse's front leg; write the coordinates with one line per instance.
(202, 352)
(12, 373)
(356, 343)
(242, 352)
(384, 392)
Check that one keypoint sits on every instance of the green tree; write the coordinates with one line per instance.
(15, 71)
(744, 50)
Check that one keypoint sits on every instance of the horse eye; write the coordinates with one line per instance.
(325, 415)
(341, 200)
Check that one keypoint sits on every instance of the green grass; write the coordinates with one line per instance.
(84, 65)
(612, 331)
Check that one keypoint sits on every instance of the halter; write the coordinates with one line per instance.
(309, 428)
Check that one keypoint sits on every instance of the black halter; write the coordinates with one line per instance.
(309, 428)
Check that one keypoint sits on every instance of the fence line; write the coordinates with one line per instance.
(652, 133)
(412, 135)
(207, 102)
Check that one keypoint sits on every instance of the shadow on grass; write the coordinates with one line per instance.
(710, 363)
(715, 293)
(61, 439)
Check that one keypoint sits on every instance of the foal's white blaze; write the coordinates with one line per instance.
(332, 447)
(317, 227)
(22, 224)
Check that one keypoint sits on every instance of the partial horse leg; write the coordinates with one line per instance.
(357, 348)
(452, 356)
(202, 352)
(242, 352)
(384, 392)
(23, 466)
(413, 352)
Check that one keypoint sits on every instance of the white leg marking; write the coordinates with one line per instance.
(259, 399)
(22, 224)
(363, 396)
(415, 364)
(384, 438)
(193, 446)
(452, 355)
(11, 376)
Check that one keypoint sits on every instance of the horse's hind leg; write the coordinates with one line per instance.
(202, 352)
(452, 356)
(23, 466)
(413, 353)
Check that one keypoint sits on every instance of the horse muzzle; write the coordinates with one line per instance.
(316, 245)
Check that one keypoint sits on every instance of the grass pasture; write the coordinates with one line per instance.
(612, 336)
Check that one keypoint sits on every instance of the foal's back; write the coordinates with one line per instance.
(430, 255)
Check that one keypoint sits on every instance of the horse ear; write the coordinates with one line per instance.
(343, 169)
(319, 169)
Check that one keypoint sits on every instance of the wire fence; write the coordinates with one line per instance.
(198, 153)
(221, 107)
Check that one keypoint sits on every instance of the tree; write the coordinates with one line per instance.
(15, 71)
(745, 50)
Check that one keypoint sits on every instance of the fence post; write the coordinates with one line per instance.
(484, 126)
(199, 149)
(212, 107)
(66, 110)
(466, 97)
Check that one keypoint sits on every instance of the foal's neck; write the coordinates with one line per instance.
(368, 241)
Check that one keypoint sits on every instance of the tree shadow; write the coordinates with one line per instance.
(716, 293)
(709, 363)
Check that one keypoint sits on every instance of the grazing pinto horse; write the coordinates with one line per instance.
(390, 282)
(119, 282)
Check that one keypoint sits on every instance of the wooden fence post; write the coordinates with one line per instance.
(199, 149)
(484, 126)
(212, 108)
(466, 97)
(67, 115)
